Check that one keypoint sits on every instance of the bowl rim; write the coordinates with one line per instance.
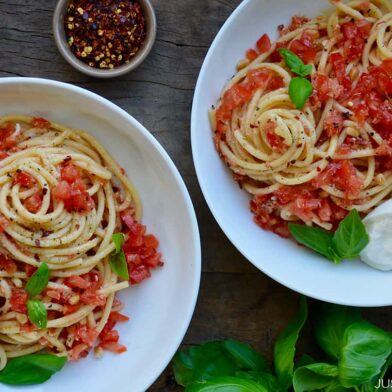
(196, 265)
(71, 59)
(207, 193)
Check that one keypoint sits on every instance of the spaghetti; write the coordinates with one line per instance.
(62, 197)
(313, 165)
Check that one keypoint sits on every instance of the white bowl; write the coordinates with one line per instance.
(351, 283)
(161, 307)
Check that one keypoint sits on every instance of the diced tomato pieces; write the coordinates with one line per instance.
(110, 336)
(24, 179)
(78, 351)
(70, 173)
(264, 43)
(333, 123)
(251, 54)
(39, 122)
(304, 47)
(54, 294)
(116, 316)
(325, 88)
(62, 191)
(18, 300)
(77, 281)
(33, 203)
(113, 347)
(92, 297)
(4, 222)
(69, 309)
(275, 141)
(29, 269)
(138, 274)
(7, 265)
(85, 334)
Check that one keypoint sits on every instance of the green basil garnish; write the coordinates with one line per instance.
(31, 369)
(118, 239)
(351, 237)
(347, 242)
(300, 89)
(294, 63)
(38, 281)
(314, 377)
(118, 261)
(37, 313)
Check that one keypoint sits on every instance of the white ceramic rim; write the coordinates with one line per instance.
(173, 170)
(275, 276)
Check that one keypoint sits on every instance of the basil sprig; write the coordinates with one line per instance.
(357, 354)
(300, 88)
(35, 285)
(346, 243)
(38, 281)
(37, 313)
(31, 369)
(117, 261)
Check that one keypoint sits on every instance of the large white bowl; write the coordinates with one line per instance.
(351, 283)
(161, 307)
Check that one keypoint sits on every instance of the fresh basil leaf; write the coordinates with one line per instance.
(331, 323)
(304, 361)
(31, 369)
(300, 89)
(313, 377)
(284, 350)
(37, 313)
(245, 357)
(364, 352)
(314, 238)
(202, 363)
(336, 386)
(118, 239)
(267, 380)
(227, 384)
(119, 266)
(294, 63)
(351, 237)
(38, 281)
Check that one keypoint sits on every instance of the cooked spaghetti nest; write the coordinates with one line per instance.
(70, 242)
(244, 144)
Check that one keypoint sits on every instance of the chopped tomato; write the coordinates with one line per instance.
(251, 54)
(92, 297)
(116, 316)
(355, 35)
(325, 211)
(8, 137)
(70, 173)
(110, 336)
(39, 122)
(54, 294)
(85, 334)
(62, 191)
(275, 141)
(24, 179)
(264, 44)
(29, 269)
(325, 88)
(343, 175)
(18, 300)
(304, 47)
(68, 309)
(138, 274)
(33, 203)
(333, 123)
(4, 222)
(78, 351)
(113, 347)
(3, 155)
(78, 282)
(7, 265)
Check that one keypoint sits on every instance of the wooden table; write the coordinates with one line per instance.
(235, 299)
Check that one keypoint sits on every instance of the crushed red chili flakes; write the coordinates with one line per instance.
(105, 33)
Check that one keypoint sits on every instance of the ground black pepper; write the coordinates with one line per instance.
(104, 33)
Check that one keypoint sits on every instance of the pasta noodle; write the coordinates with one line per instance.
(62, 197)
(315, 164)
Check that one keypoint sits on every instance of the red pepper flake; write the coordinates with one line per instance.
(105, 33)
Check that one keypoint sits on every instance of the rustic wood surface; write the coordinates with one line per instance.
(235, 299)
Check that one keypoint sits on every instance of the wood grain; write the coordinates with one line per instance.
(235, 300)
